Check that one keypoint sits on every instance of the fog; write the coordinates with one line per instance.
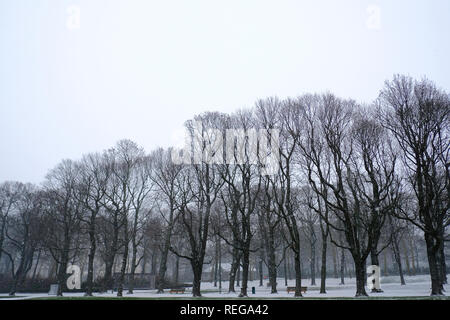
(76, 76)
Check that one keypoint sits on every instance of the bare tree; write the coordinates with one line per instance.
(315, 203)
(396, 228)
(310, 220)
(284, 116)
(139, 189)
(63, 213)
(126, 157)
(329, 125)
(417, 114)
(242, 186)
(165, 176)
(200, 187)
(24, 233)
(270, 224)
(10, 193)
(91, 187)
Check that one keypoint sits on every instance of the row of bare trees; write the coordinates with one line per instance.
(347, 174)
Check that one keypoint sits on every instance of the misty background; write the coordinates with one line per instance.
(76, 76)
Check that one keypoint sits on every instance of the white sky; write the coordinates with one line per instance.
(138, 69)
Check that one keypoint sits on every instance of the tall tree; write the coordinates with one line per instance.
(200, 187)
(417, 114)
(329, 125)
(90, 191)
(63, 213)
(24, 233)
(242, 186)
(10, 193)
(139, 189)
(165, 175)
(127, 157)
(270, 224)
(283, 116)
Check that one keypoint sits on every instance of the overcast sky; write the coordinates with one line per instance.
(78, 75)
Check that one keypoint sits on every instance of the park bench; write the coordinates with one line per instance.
(292, 289)
(178, 290)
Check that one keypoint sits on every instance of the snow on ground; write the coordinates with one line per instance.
(416, 286)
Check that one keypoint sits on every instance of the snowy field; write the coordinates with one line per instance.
(416, 286)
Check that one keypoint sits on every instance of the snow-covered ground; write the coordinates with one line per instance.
(416, 286)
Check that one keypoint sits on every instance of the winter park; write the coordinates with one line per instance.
(236, 151)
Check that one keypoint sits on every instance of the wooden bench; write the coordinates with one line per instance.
(179, 290)
(292, 289)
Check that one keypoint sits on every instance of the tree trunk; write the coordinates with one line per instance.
(216, 262)
(36, 265)
(17, 274)
(335, 272)
(272, 263)
(153, 263)
(432, 251)
(261, 273)
(108, 273)
(323, 270)
(165, 252)
(2, 236)
(233, 270)
(413, 262)
(163, 264)
(408, 269)
(298, 272)
(398, 260)
(220, 266)
(343, 266)
(133, 269)
(313, 265)
(273, 272)
(416, 250)
(91, 256)
(245, 269)
(61, 278)
(385, 267)
(288, 263)
(13, 290)
(144, 262)
(63, 266)
(122, 272)
(238, 276)
(442, 264)
(360, 266)
(124, 262)
(197, 270)
(111, 257)
(177, 269)
(273, 279)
